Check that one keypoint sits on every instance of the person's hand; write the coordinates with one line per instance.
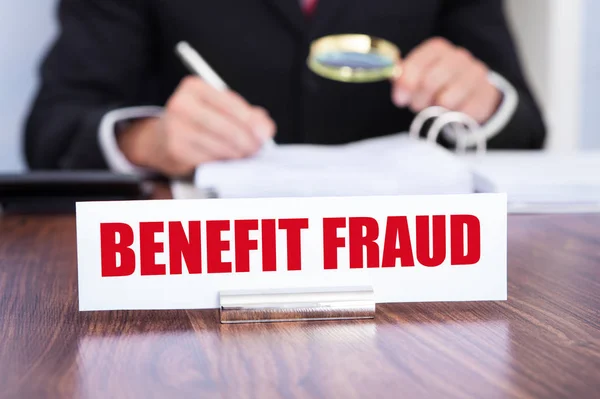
(439, 73)
(200, 124)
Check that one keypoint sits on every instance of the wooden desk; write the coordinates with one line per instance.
(542, 343)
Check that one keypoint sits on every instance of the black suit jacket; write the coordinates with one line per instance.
(119, 53)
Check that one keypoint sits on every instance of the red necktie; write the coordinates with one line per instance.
(309, 6)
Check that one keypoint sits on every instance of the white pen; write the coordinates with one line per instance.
(198, 66)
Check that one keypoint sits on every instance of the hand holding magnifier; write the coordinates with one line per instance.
(354, 58)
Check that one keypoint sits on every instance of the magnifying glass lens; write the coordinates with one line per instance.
(354, 60)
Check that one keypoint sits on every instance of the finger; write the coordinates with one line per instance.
(261, 117)
(225, 130)
(232, 104)
(415, 66)
(228, 102)
(440, 75)
(206, 119)
(210, 148)
(462, 86)
(482, 104)
(190, 145)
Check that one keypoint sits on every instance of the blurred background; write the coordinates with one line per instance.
(557, 40)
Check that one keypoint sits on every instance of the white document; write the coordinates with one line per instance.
(389, 165)
(538, 180)
(103, 257)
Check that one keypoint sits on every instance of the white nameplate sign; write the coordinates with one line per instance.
(179, 254)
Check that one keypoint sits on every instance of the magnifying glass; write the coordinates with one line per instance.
(354, 58)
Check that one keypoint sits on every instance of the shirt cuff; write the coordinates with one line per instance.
(107, 137)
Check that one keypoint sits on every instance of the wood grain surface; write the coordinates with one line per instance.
(544, 342)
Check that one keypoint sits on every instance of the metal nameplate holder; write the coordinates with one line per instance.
(342, 303)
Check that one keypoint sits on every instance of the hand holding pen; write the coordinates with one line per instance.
(203, 121)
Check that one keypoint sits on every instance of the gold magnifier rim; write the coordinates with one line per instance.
(356, 43)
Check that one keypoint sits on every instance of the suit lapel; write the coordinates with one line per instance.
(290, 12)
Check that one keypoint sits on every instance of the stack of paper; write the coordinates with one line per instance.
(539, 181)
(389, 165)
